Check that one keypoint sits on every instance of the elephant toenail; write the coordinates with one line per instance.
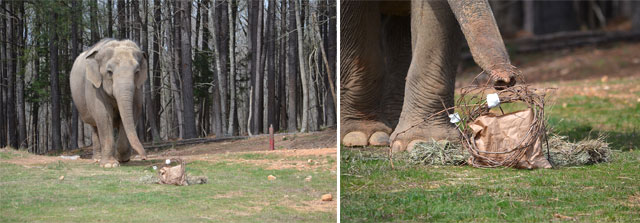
(355, 139)
(379, 139)
(397, 147)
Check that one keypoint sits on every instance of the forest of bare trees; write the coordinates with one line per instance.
(216, 67)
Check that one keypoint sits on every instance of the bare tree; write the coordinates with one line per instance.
(122, 27)
(10, 75)
(20, 73)
(271, 82)
(110, 18)
(75, 10)
(303, 73)
(232, 8)
(258, 94)
(291, 69)
(189, 124)
(55, 90)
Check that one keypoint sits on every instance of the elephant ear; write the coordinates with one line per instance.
(92, 69)
(141, 76)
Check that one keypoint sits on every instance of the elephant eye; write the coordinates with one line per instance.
(110, 73)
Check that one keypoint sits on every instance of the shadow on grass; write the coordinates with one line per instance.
(575, 131)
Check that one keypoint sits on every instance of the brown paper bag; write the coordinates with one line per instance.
(173, 175)
(497, 134)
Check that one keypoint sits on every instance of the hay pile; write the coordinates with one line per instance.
(585, 152)
(441, 152)
(560, 152)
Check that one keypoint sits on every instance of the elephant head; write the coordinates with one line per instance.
(120, 69)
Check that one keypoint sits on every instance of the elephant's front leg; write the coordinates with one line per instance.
(104, 122)
(361, 78)
(436, 41)
(95, 144)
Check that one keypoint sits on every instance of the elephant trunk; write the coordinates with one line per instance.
(125, 107)
(485, 42)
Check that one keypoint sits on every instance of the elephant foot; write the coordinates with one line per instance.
(95, 157)
(109, 163)
(363, 133)
(406, 138)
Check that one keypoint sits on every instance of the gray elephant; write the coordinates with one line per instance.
(398, 67)
(106, 86)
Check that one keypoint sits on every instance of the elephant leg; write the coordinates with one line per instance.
(106, 141)
(105, 133)
(123, 149)
(95, 144)
(361, 75)
(396, 46)
(436, 41)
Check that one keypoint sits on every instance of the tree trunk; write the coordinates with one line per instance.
(221, 37)
(332, 52)
(11, 74)
(20, 30)
(258, 94)
(282, 93)
(157, 75)
(109, 19)
(93, 15)
(271, 70)
(292, 70)
(55, 91)
(329, 103)
(189, 124)
(122, 30)
(177, 98)
(75, 48)
(303, 74)
(35, 110)
(217, 116)
(150, 92)
(3, 73)
(313, 117)
(232, 65)
(196, 38)
(529, 16)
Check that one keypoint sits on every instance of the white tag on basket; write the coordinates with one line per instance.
(493, 100)
(454, 118)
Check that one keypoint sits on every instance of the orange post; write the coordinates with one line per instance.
(271, 140)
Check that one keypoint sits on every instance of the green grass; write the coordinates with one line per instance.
(586, 116)
(236, 192)
(372, 191)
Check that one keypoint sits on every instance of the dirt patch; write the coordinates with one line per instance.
(281, 163)
(301, 152)
(616, 60)
(28, 160)
(312, 206)
(634, 200)
(603, 87)
(314, 140)
(230, 194)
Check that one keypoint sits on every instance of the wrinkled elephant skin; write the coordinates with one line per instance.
(398, 67)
